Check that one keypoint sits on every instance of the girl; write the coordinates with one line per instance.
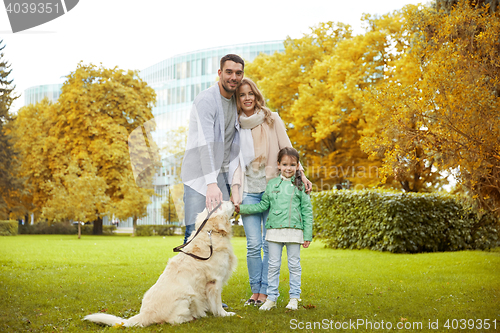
(262, 135)
(289, 223)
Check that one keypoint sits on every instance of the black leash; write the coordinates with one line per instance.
(178, 248)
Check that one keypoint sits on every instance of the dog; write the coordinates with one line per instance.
(188, 288)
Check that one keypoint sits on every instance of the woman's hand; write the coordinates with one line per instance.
(306, 182)
(306, 244)
(235, 195)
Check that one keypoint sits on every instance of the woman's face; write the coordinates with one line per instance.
(247, 99)
(288, 166)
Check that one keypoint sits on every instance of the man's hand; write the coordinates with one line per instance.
(214, 196)
(306, 244)
(306, 182)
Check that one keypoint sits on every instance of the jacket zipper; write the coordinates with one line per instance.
(290, 209)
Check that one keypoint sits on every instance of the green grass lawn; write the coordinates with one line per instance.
(48, 283)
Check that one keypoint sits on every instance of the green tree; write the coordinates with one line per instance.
(11, 187)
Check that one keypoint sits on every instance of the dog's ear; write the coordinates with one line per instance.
(221, 224)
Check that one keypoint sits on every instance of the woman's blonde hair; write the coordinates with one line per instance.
(260, 103)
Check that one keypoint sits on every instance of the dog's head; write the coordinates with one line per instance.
(219, 221)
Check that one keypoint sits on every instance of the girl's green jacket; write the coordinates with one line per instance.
(288, 207)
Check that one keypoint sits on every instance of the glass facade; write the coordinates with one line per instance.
(176, 81)
(37, 93)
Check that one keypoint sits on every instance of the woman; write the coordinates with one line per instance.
(263, 134)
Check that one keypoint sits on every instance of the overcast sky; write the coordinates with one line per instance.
(137, 34)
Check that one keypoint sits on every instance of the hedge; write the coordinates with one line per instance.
(44, 228)
(238, 231)
(400, 222)
(8, 228)
(168, 230)
(150, 230)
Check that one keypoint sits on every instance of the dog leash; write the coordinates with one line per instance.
(178, 248)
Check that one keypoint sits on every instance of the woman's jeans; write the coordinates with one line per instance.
(255, 231)
(293, 253)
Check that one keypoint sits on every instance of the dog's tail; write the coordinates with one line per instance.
(110, 320)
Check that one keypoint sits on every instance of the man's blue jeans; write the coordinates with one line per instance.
(195, 203)
(257, 249)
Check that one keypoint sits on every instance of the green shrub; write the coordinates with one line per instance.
(44, 228)
(88, 229)
(8, 228)
(238, 231)
(62, 228)
(400, 222)
(151, 230)
(165, 230)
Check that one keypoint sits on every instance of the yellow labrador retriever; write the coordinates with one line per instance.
(188, 288)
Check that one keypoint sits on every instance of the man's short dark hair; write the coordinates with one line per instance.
(233, 57)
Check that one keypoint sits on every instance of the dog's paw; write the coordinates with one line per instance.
(226, 314)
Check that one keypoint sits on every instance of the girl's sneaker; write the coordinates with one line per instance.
(293, 304)
(268, 305)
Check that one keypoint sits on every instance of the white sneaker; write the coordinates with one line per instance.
(293, 304)
(268, 305)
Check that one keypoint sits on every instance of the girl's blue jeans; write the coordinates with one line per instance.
(257, 250)
(293, 253)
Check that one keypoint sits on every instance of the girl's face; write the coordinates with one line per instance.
(288, 166)
(247, 99)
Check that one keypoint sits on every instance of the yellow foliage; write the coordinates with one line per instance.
(75, 152)
(440, 101)
(318, 86)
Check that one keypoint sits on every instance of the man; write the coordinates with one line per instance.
(211, 159)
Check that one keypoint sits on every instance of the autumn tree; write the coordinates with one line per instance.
(11, 187)
(80, 163)
(318, 85)
(444, 95)
(168, 210)
(174, 152)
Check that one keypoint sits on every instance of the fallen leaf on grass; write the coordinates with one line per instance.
(309, 306)
(119, 325)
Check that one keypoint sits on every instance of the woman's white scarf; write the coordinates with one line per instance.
(254, 142)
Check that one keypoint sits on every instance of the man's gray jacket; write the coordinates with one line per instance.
(205, 143)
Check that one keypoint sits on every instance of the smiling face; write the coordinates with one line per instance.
(230, 77)
(247, 99)
(288, 166)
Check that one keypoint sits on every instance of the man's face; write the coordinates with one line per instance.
(230, 77)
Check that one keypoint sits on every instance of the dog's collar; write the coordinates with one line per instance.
(178, 248)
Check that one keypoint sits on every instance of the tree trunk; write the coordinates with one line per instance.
(98, 226)
(134, 225)
(79, 230)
